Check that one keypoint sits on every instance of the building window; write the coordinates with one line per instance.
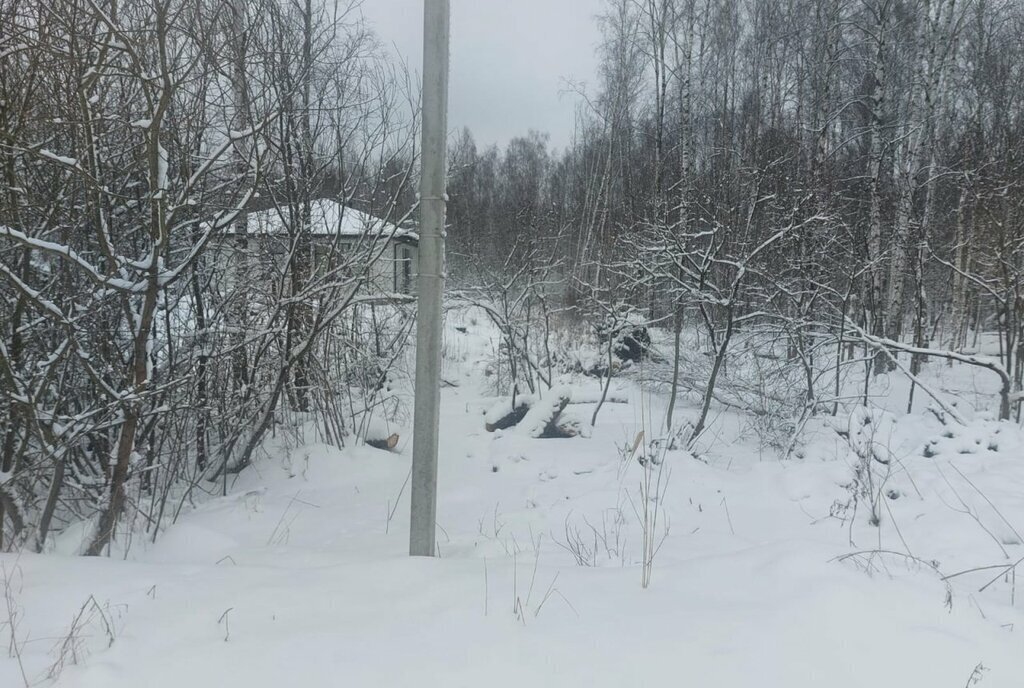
(405, 270)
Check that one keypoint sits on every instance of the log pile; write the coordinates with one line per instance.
(541, 418)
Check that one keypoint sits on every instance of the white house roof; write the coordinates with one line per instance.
(330, 218)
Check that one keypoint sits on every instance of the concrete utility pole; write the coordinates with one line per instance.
(423, 515)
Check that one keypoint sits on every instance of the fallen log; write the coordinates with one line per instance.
(386, 443)
(542, 420)
(511, 417)
(543, 417)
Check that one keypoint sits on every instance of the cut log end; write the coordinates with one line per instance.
(386, 443)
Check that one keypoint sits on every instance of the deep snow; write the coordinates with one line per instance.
(299, 576)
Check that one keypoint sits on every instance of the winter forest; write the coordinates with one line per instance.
(731, 384)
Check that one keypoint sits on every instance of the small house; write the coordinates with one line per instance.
(339, 234)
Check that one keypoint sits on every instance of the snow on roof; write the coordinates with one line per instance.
(329, 218)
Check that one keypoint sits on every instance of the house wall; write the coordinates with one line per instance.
(395, 270)
(264, 259)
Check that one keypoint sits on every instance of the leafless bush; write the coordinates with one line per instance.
(14, 614)
(590, 545)
(93, 621)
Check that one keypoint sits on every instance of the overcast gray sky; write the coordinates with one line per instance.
(509, 60)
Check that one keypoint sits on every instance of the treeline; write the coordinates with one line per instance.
(149, 341)
(841, 172)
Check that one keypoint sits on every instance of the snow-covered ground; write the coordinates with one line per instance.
(768, 573)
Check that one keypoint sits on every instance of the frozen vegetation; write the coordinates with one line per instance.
(881, 552)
